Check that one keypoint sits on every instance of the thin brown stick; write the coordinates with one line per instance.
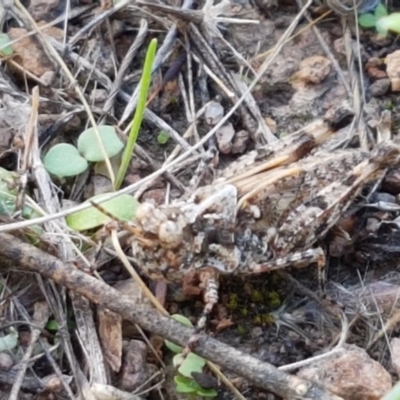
(259, 373)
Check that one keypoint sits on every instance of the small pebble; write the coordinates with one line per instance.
(6, 361)
(240, 141)
(214, 113)
(257, 331)
(224, 137)
(379, 87)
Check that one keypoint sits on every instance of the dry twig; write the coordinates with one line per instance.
(259, 373)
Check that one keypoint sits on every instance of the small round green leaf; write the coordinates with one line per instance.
(52, 325)
(394, 394)
(89, 147)
(173, 347)
(123, 207)
(64, 160)
(380, 11)
(389, 23)
(185, 389)
(182, 380)
(162, 137)
(192, 363)
(5, 48)
(186, 385)
(207, 392)
(367, 20)
(183, 320)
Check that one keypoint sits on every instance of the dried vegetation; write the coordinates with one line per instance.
(228, 78)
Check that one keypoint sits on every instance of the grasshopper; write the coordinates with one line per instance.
(269, 210)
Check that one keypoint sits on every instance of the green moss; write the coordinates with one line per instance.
(272, 299)
(244, 311)
(242, 330)
(263, 319)
(256, 296)
(233, 301)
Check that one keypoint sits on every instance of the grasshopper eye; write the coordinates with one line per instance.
(143, 211)
(170, 234)
(150, 218)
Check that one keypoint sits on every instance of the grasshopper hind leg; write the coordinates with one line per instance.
(298, 259)
(210, 284)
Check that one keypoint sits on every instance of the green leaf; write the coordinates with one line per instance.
(5, 48)
(186, 385)
(8, 191)
(123, 207)
(8, 196)
(183, 320)
(367, 20)
(162, 137)
(89, 147)
(192, 363)
(140, 109)
(179, 379)
(389, 23)
(9, 341)
(394, 394)
(173, 347)
(207, 392)
(185, 389)
(52, 325)
(64, 160)
(380, 11)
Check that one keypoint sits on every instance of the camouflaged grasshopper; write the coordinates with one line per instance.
(269, 210)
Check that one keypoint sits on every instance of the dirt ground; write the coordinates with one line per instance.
(302, 63)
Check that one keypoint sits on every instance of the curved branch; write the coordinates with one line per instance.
(261, 374)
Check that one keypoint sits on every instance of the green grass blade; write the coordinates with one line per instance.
(140, 108)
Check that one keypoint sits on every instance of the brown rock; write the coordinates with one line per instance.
(350, 374)
(135, 371)
(376, 73)
(379, 87)
(391, 182)
(393, 70)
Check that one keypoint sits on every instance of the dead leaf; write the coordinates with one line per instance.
(28, 52)
(224, 324)
(110, 332)
(110, 324)
(313, 70)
